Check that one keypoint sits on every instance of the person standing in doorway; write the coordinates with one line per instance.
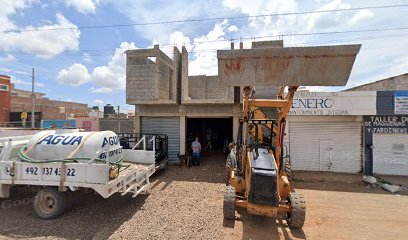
(196, 147)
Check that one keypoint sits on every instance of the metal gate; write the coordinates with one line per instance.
(326, 146)
(165, 125)
(390, 154)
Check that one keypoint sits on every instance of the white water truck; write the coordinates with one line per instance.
(67, 160)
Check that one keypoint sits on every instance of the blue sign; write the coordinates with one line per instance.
(401, 102)
(55, 124)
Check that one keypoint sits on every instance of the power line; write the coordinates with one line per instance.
(205, 19)
(303, 44)
(108, 52)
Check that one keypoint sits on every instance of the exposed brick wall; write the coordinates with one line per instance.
(196, 87)
(49, 108)
(116, 125)
(150, 76)
(390, 84)
(208, 87)
(5, 99)
(164, 79)
(140, 80)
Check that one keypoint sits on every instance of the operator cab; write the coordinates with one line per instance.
(261, 141)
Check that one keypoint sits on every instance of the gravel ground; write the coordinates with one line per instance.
(181, 204)
(187, 204)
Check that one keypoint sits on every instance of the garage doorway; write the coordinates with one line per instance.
(214, 134)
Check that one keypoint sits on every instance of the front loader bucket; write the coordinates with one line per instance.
(292, 66)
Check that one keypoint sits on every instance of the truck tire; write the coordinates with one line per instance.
(288, 169)
(229, 203)
(49, 203)
(297, 214)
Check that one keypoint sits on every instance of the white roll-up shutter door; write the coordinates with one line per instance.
(390, 154)
(165, 125)
(326, 146)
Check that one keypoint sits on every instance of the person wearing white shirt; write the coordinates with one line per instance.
(196, 147)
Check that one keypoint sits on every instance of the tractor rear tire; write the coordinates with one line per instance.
(229, 203)
(297, 214)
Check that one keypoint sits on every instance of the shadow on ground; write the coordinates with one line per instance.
(93, 218)
(327, 181)
(259, 227)
(211, 170)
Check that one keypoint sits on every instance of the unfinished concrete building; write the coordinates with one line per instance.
(168, 100)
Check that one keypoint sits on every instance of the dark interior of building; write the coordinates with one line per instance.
(214, 134)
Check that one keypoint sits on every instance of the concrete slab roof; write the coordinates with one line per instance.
(293, 66)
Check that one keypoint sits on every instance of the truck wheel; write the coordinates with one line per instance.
(229, 203)
(49, 203)
(296, 216)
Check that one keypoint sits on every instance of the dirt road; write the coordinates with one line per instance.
(187, 204)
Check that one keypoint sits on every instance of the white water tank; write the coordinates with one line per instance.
(71, 143)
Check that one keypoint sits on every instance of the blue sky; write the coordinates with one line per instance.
(88, 64)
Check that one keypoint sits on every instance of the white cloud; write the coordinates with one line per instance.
(7, 70)
(179, 40)
(8, 58)
(87, 58)
(103, 76)
(232, 28)
(37, 40)
(45, 44)
(97, 102)
(204, 56)
(101, 90)
(26, 83)
(113, 75)
(143, 11)
(106, 78)
(76, 75)
(9, 8)
(360, 16)
(176, 39)
(83, 6)
(399, 66)
(261, 7)
(333, 20)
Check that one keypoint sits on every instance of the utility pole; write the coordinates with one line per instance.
(33, 102)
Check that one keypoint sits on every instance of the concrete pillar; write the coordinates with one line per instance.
(137, 123)
(235, 125)
(235, 120)
(182, 134)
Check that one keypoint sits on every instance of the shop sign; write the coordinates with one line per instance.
(334, 103)
(401, 102)
(386, 124)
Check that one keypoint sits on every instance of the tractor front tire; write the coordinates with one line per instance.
(229, 203)
(297, 214)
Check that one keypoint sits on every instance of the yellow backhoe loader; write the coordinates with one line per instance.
(257, 172)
